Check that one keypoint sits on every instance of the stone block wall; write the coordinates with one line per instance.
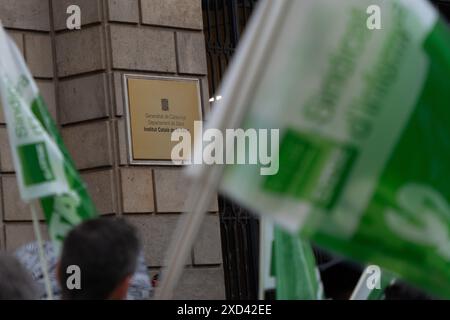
(80, 75)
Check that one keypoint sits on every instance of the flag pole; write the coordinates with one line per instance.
(266, 238)
(237, 88)
(262, 257)
(42, 258)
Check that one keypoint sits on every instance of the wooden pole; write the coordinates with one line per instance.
(236, 92)
(42, 258)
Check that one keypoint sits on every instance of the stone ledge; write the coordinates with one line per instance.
(137, 190)
(25, 14)
(71, 49)
(143, 49)
(93, 139)
(173, 13)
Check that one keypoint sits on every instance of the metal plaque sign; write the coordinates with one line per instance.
(155, 107)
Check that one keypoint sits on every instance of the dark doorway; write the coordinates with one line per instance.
(224, 22)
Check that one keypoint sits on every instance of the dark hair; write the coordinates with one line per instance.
(106, 251)
(15, 282)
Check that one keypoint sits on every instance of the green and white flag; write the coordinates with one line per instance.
(287, 265)
(296, 273)
(364, 122)
(43, 166)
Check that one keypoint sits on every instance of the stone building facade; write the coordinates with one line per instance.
(79, 74)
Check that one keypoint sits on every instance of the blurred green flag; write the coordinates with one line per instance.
(297, 276)
(266, 259)
(43, 166)
(364, 125)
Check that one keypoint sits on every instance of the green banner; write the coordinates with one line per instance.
(44, 169)
(297, 276)
(364, 124)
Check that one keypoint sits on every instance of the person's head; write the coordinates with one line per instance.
(106, 251)
(15, 282)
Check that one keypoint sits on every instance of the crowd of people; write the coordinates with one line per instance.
(104, 253)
